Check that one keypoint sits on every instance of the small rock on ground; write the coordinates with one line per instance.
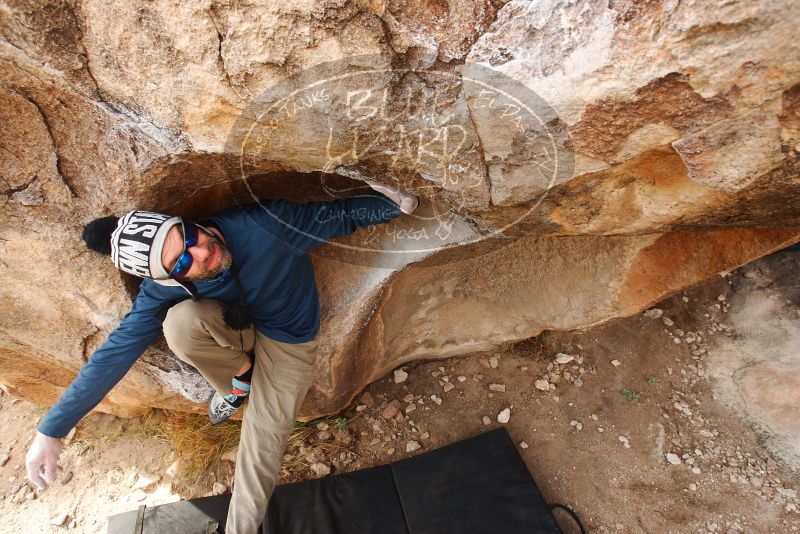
(320, 470)
(59, 519)
(504, 416)
(564, 358)
(391, 409)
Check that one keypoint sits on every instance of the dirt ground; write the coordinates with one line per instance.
(679, 419)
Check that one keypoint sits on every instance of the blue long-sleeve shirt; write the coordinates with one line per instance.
(269, 243)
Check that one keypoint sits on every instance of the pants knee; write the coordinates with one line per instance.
(184, 323)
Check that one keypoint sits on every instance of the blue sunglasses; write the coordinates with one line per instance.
(185, 260)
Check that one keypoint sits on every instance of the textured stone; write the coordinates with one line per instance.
(681, 162)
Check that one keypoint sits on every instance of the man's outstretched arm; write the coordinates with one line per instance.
(105, 368)
(306, 226)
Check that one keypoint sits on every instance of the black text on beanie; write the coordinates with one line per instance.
(137, 242)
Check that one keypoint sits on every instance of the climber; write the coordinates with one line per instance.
(235, 296)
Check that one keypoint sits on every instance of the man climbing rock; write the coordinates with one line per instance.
(235, 296)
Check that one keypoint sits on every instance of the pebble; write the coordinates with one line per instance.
(146, 482)
(448, 386)
(4, 459)
(391, 409)
(366, 398)
(673, 458)
(504, 416)
(390, 451)
(576, 424)
(692, 487)
(21, 494)
(411, 407)
(320, 470)
(562, 358)
(654, 313)
(578, 382)
(59, 519)
(400, 376)
(493, 363)
(172, 470)
(486, 420)
(412, 446)
(218, 489)
(771, 465)
(667, 321)
(229, 455)
(523, 445)
(497, 387)
(462, 378)
(615, 363)
(542, 385)
(624, 441)
(437, 400)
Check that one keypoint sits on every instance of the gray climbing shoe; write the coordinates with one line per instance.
(219, 409)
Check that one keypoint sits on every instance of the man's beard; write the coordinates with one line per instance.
(225, 262)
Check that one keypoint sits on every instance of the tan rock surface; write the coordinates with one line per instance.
(675, 126)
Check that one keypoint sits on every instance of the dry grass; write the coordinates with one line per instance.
(302, 441)
(197, 443)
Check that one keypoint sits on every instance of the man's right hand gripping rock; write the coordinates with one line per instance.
(42, 460)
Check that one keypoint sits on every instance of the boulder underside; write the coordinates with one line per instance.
(576, 162)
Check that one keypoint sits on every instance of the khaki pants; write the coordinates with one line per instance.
(282, 374)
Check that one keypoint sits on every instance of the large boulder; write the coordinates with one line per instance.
(577, 162)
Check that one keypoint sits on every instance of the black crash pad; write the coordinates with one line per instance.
(476, 486)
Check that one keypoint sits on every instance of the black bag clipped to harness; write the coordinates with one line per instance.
(237, 314)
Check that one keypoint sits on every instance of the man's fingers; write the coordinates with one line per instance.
(50, 470)
(33, 475)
